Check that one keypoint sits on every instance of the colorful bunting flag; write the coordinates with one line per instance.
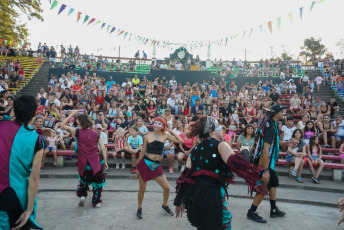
(250, 32)
(220, 42)
(5, 42)
(63, 7)
(290, 16)
(120, 33)
(85, 19)
(270, 26)
(279, 19)
(0, 40)
(113, 29)
(70, 11)
(53, 5)
(91, 21)
(312, 5)
(243, 34)
(261, 28)
(79, 16)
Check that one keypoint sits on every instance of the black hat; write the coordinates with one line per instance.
(276, 108)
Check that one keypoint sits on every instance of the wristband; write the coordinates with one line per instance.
(265, 170)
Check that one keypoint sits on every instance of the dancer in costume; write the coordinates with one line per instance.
(89, 165)
(21, 151)
(149, 162)
(266, 152)
(202, 186)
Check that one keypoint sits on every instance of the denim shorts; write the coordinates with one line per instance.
(51, 148)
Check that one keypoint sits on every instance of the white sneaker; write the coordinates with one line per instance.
(182, 168)
(117, 165)
(123, 164)
(98, 205)
(82, 201)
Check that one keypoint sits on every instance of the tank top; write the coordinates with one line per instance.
(120, 142)
(170, 122)
(112, 112)
(127, 91)
(251, 112)
(315, 151)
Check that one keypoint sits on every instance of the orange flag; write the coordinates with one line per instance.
(79, 16)
(120, 33)
(270, 26)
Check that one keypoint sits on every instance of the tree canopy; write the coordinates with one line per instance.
(10, 11)
(313, 48)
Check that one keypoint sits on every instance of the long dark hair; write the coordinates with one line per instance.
(312, 144)
(24, 109)
(305, 129)
(244, 132)
(197, 127)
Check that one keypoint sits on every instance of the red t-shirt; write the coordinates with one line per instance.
(189, 142)
(100, 100)
(76, 87)
(21, 72)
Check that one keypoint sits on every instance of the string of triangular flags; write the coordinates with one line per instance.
(167, 44)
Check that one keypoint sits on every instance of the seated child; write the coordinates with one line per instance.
(314, 152)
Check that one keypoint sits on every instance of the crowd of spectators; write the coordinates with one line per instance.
(11, 73)
(121, 110)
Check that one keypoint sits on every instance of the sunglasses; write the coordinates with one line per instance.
(199, 113)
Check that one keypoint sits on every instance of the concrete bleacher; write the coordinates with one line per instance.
(331, 161)
(30, 67)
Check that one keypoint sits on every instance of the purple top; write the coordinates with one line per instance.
(6, 142)
(87, 150)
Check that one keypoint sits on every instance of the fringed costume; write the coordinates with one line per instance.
(89, 165)
(203, 188)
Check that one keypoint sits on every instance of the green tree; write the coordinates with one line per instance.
(10, 11)
(313, 47)
(286, 57)
(340, 45)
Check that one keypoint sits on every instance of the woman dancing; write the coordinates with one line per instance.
(89, 165)
(202, 187)
(149, 162)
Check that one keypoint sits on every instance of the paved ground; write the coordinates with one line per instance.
(60, 210)
(58, 206)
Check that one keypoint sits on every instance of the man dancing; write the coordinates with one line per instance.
(266, 152)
